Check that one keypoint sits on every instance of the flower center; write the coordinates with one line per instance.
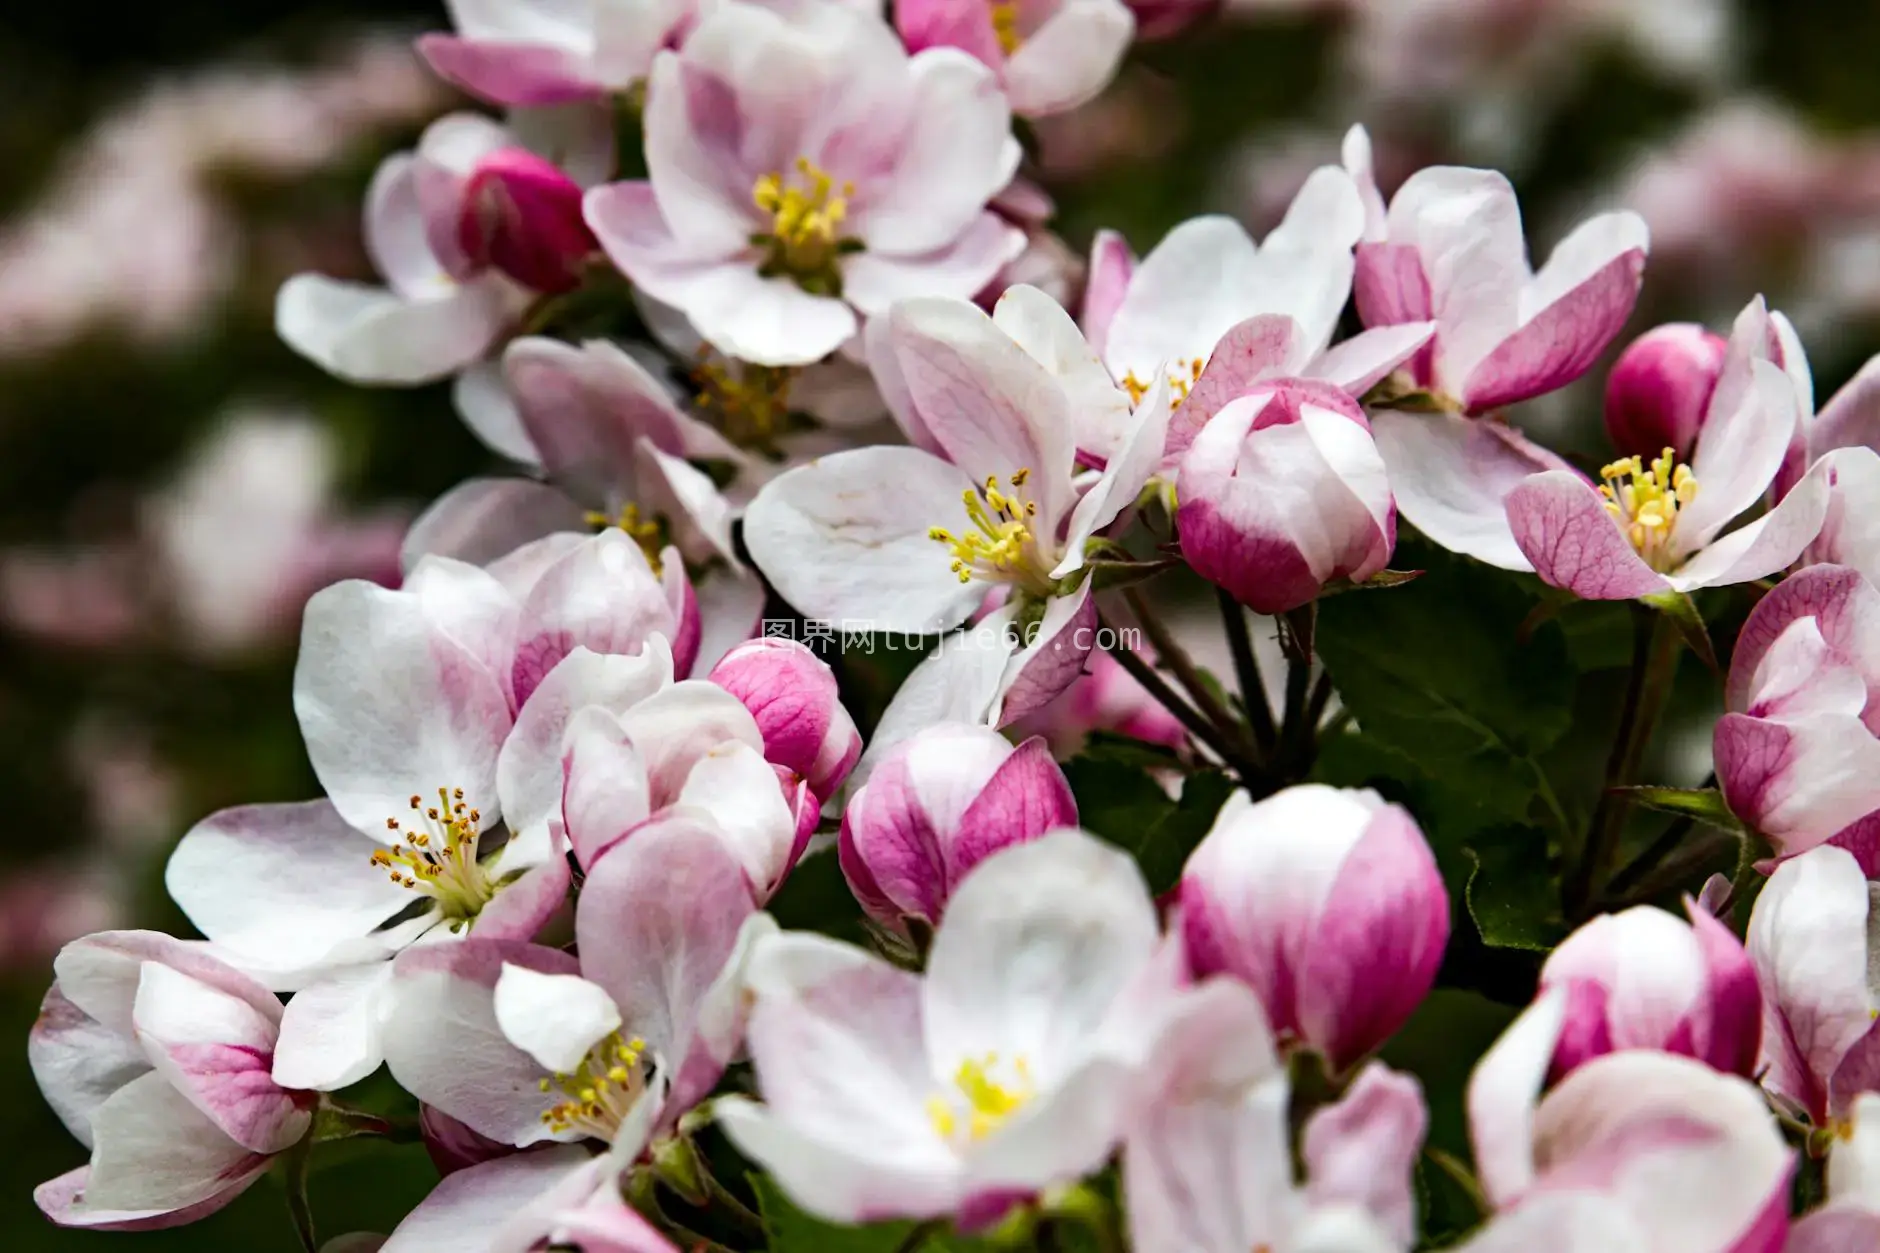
(436, 855)
(1000, 546)
(1644, 501)
(750, 404)
(979, 1103)
(649, 532)
(805, 238)
(1182, 378)
(599, 1093)
(1005, 25)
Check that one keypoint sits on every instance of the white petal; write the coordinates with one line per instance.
(555, 1019)
(332, 1031)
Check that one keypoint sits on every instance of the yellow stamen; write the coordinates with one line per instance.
(1645, 500)
(1001, 547)
(751, 404)
(599, 1093)
(649, 533)
(987, 1102)
(435, 855)
(805, 237)
(1182, 377)
(1005, 26)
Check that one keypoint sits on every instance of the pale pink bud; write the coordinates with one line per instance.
(1660, 387)
(522, 215)
(792, 694)
(1327, 902)
(939, 803)
(1643, 979)
(1283, 491)
(454, 1146)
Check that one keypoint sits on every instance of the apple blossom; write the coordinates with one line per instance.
(1008, 1067)
(1810, 941)
(1687, 1157)
(912, 540)
(156, 1056)
(1641, 979)
(1282, 492)
(792, 694)
(527, 52)
(1327, 902)
(771, 248)
(1050, 55)
(1660, 387)
(938, 804)
(1797, 755)
(1850, 1218)
(1450, 250)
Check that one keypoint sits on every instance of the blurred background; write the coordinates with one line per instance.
(174, 482)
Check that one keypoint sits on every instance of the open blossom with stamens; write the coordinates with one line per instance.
(913, 540)
(156, 1056)
(771, 224)
(1657, 528)
(1051, 55)
(446, 305)
(888, 1093)
(609, 1049)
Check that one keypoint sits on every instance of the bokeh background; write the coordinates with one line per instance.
(174, 482)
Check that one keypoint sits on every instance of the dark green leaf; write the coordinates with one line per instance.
(1165, 846)
(1514, 894)
(817, 898)
(792, 1231)
(1121, 802)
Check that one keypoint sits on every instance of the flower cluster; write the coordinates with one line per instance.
(620, 894)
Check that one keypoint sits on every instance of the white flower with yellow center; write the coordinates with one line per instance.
(1011, 1066)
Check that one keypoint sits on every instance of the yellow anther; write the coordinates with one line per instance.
(988, 1102)
(1005, 26)
(439, 858)
(648, 531)
(807, 210)
(1644, 501)
(600, 1092)
(1000, 547)
(1182, 377)
(749, 404)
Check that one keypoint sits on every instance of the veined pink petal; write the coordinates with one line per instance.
(509, 73)
(1562, 341)
(1561, 525)
(1451, 476)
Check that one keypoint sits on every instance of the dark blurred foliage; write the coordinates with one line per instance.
(84, 429)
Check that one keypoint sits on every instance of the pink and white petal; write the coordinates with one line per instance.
(1735, 998)
(1355, 153)
(1099, 408)
(62, 1200)
(1845, 607)
(332, 1032)
(1039, 940)
(605, 791)
(482, 400)
(1363, 1150)
(1263, 346)
(217, 1050)
(279, 886)
(837, 1176)
(1850, 529)
(1067, 1132)
(718, 1025)
(1199, 282)
(1027, 794)
(730, 611)
(953, 156)
(1851, 418)
(603, 596)
(706, 125)
(517, 74)
(845, 539)
(1070, 59)
(1835, 1229)
(958, 681)
(884, 366)
(736, 792)
(924, 24)
(1739, 449)
(1799, 783)
(699, 515)
(529, 771)
(1561, 342)
(480, 520)
(524, 904)
(445, 1047)
(606, 1224)
(1359, 363)
(99, 974)
(1807, 937)
(157, 1151)
(1466, 227)
(400, 221)
(875, 281)
(659, 917)
(465, 1207)
(1326, 217)
(519, 572)
(1112, 266)
(555, 1019)
(1561, 526)
(1128, 472)
(79, 1062)
(1451, 477)
(1391, 289)
(368, 335)
(390, 706)
(1561, 1222)
(674, 728)
(1050, 661)
(1854, 1167)
(1769, 544)
(1503, 1093)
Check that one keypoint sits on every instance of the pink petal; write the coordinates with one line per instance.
(509, 73)
(1258, 348)
(480, 520)
(1363, 1150)
(61, 1200)
(1561, 525)
(1561, 342)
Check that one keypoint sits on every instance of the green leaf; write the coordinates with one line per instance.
(1704, 804)
(1122, 803)
(1514, 894)
(817, 898)
(1165, 847)
(1439, 671)
(790, 1230)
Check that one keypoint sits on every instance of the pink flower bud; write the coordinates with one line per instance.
(938, 804)
(454, 1146)
(1660, 387)
(522, 215)
(1642, 979)
(1159, 19)
(1327, 902)
(1283, 491)
(792, 694)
